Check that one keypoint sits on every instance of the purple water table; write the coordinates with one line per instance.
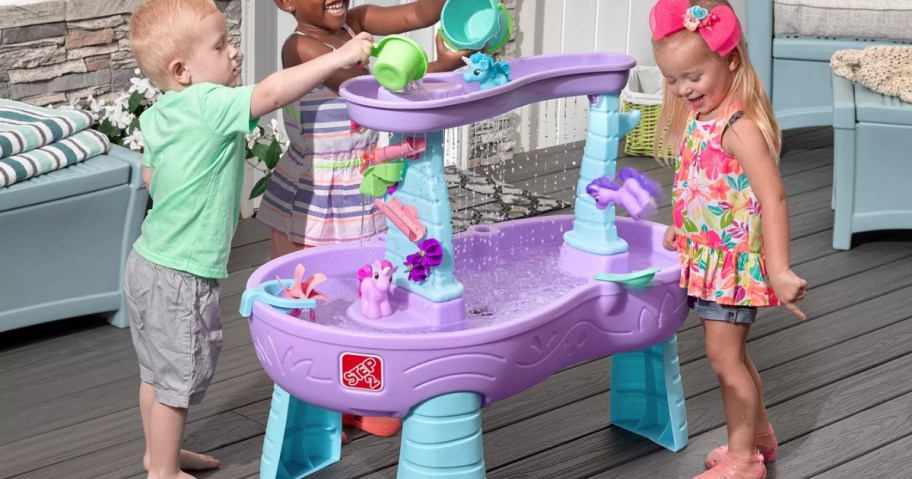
(525, 304)
(445, 100)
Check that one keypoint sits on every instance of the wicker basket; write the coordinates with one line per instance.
(643, 92)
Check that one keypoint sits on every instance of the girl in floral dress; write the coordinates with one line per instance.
(731, 223)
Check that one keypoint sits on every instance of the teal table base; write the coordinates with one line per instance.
(647, 396)
(300, 438)
(442, 437)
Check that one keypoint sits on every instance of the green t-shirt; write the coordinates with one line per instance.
(194, 143)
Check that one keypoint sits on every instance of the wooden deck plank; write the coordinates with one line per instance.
(803, 374)
(122, 455)
(22, 421)
(891, 460)
(813, 410)
(831, 402)
(879, 425)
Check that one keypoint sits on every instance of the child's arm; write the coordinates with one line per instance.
(376, 20)
(405, 18)
(747, 145)
(285, 86)
(396, 19)
(300, 49)
(447, 60)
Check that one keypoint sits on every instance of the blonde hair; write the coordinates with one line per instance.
(746, 89)
(164, 30)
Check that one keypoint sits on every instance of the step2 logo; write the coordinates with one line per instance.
(361, 371)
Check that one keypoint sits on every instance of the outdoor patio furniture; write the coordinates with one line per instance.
(792, 52)
(873, 161)
(64, 240)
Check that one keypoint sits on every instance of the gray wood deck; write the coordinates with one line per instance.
(838, 385)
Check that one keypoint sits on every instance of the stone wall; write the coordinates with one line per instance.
(53, 51)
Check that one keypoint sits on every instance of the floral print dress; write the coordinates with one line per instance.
(717, 220)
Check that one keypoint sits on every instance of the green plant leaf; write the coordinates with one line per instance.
(134, 125)
(135, 101)
(260, 187)
(260, 151)
(109, 129)
(273, 154)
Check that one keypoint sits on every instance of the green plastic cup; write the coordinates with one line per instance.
(400, 61)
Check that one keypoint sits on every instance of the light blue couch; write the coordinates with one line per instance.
(64, 239)
(795, 70)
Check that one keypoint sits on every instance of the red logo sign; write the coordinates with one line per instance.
(361, 371)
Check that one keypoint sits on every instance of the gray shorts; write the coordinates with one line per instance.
(176, 328)
(714, 311)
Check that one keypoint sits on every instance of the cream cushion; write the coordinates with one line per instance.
(855, 19)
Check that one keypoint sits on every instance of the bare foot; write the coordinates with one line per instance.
(180, 475)
(191, 461)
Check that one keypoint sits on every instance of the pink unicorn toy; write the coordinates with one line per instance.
(637, 194)
(374, 289)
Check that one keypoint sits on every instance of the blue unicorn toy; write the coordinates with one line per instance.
(484, 70)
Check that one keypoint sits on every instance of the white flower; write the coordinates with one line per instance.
(134, 140)
(122, 102)
(119, 117)
(94, 106)
(253, 137)
(277, 133)
(143, 86)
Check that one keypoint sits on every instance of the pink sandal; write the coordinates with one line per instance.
(731, 467)
(766, 444)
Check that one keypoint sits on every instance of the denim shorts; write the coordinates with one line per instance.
(713, 311)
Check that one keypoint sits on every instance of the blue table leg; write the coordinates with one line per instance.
(441, 438)
(300, 438)
(647, 396)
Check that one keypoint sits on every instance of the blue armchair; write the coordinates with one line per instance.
(795, 69)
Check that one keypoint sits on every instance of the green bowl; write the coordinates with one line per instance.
(400, 61)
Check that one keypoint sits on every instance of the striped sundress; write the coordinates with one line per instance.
(313, 195)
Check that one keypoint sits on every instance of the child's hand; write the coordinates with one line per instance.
(790, 289)
(668, 241)
(357, 50)
(448, 59)
(147, 176)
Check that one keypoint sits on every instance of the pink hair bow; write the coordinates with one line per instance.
(719, 27)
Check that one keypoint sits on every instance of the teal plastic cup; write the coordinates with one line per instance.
(475, 25)
(400, 61)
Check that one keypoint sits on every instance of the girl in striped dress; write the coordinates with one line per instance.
(313, 196)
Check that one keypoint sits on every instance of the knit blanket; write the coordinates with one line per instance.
(35, 140)
(884, 69)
